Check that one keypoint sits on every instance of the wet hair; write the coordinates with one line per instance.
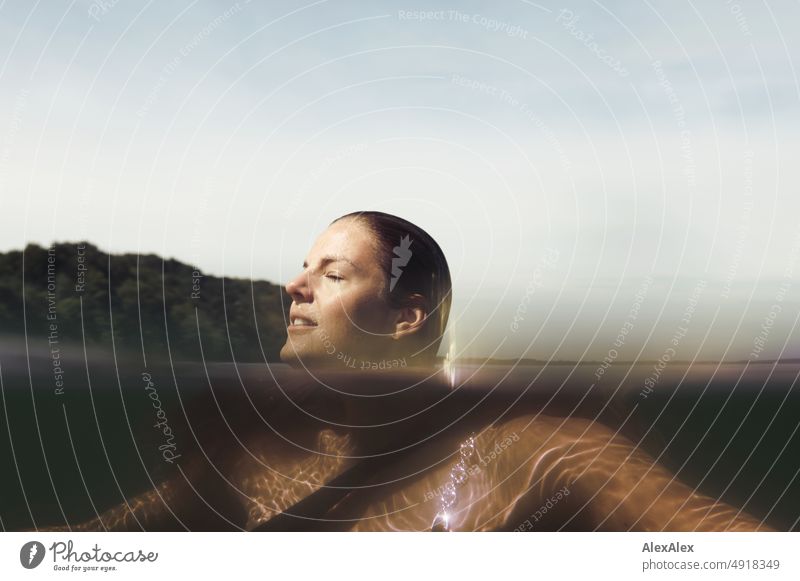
(414, 264)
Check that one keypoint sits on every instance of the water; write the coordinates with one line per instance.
(729, 430)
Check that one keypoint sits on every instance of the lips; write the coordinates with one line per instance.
(300, 321)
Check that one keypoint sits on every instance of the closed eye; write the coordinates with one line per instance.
(334, 277)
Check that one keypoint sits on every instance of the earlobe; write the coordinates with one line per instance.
(410, 319)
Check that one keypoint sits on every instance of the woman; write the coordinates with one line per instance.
(374, 289)
(390, 449)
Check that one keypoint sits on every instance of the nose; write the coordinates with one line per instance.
(299, 288)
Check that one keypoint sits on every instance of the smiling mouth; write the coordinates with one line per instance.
(300, 322)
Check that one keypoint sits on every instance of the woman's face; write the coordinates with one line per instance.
(339, 316)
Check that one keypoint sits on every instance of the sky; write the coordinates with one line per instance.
(607, 179)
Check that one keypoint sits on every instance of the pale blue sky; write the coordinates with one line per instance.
(636, 139)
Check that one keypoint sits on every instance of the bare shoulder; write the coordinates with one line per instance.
(548, 451)
(535, 430)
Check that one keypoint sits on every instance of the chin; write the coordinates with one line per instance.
(289, 356)
(300, 360)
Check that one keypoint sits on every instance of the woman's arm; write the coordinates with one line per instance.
(627, 490)
(196, 499)
(610, 484)
(153, 510)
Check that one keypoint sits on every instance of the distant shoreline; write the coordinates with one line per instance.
(529, 361)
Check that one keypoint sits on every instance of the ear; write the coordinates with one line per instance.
(411, 317)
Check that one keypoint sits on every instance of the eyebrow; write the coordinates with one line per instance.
(329, 258)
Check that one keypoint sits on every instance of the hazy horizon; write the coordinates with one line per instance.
(575, 163)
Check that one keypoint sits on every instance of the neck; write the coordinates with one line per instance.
(393, 409)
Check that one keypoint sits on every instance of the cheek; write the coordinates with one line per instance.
(360, 312)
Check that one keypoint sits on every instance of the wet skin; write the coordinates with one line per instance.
(611, 486)
(340, 295)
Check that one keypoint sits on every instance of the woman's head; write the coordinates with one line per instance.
(375, 291)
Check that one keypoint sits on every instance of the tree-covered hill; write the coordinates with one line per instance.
(74, 291)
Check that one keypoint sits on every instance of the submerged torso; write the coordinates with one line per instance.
(491, 491)
(529, 473)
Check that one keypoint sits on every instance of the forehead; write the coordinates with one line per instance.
(348, 238)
